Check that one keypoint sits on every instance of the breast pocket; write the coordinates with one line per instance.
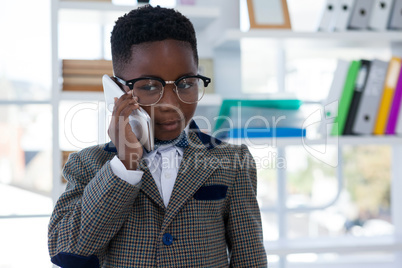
(211, 192)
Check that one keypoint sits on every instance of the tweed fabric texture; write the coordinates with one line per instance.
(128, 226)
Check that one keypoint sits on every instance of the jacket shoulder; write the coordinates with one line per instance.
(96, 152)
(220, 148)
(93, 157)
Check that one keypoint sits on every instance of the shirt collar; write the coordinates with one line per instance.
(151, 155)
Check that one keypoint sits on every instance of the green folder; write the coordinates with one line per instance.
(291, 104)
(346, 98)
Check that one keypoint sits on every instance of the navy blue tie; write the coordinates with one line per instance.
(180, 141)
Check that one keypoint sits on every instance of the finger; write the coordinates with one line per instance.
(124, 97)
(117, 110)
(127, 89)
(123, 114)
(123, 110)
(123, 126)
(121, 103)
(129, 109)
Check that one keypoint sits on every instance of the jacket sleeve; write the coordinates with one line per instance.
(243, 224)
(89, 213)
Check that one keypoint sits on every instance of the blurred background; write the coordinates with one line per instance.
(314, 214)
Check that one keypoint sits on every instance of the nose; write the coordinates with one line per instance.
(169, 96)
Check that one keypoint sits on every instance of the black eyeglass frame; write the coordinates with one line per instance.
(130, 84)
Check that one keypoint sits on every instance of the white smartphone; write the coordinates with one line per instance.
(139, 120)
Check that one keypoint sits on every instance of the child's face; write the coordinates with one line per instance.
(168, 60)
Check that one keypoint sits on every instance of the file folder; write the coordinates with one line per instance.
(330, 106)
(361, 14)
(346, 98)
(396, 16)
(371, 97)
(395, 107)
(279, 132)
(380, 15)
(328, 16)
(343, 13)
(360, 85)
(398, 130)
(391, 79)
(225, 110)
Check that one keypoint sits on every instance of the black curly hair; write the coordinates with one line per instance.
(148, 24)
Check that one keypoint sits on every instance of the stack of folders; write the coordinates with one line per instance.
(85, 75)
(265, 118)
(376, 15)
(365, 98)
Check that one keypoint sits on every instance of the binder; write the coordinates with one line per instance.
(391, 79)
(284, 132)
(359, 87)
(346, 98)
(330, 108)
(395, 107)
(396, 16)
(228, 104)
(328, 16)
(343, 13)
(361, 14)
(371, 97)
(380, 15)
(398, 130)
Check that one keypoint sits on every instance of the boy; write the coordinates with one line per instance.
(191, 202)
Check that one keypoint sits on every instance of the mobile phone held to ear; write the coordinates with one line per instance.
(139, 119)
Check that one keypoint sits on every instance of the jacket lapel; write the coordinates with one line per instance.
(196, 167)
(194, 171)
(148, 185)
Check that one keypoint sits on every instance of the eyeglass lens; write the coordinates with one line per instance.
(149, 91)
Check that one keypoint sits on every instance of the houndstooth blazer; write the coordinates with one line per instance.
(212, 219)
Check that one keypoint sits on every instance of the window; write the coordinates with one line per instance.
(25, 133)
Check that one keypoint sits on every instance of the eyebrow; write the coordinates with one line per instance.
(154, 76)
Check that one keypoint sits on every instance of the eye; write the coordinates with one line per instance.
(148, 85)
(187, 83)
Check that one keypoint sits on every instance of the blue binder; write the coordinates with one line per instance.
(279, 132)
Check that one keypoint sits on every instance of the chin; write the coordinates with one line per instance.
(165, 136)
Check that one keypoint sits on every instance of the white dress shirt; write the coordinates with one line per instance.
(163, 163)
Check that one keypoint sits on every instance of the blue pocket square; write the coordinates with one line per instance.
(211, 192)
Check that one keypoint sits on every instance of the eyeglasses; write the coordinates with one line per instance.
(149, 90)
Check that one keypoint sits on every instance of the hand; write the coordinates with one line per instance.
(128, 147)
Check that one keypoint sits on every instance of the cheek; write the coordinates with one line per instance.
(189, 111)
(147, 109)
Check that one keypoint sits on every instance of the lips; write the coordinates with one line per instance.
(169, 125)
